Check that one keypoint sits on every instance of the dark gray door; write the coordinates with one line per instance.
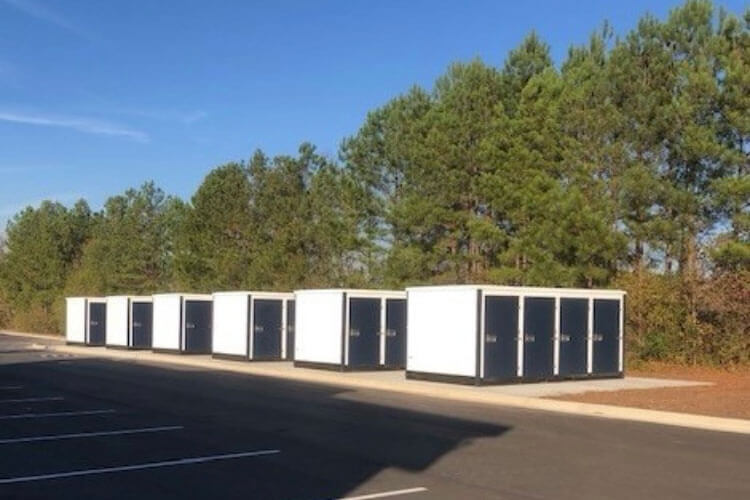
(606, 342)
(574, 320)
(142, 321)
(395, 333)
(198, 326)
(267, 315)
(97, 323)
(364, 326)
(539, 331)
(500, 337)
(290, 329)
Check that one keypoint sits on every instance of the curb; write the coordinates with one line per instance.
(467, 394)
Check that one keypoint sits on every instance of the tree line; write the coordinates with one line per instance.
(627, 165)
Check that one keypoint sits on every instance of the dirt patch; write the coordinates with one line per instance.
(729, 396)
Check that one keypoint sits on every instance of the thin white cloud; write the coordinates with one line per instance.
(186, 118)
(38, 11)
(191, 118)
(81, 124)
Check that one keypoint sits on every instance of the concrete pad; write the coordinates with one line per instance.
(551, 389)
(527, 396)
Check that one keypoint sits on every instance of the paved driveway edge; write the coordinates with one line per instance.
(466, 394)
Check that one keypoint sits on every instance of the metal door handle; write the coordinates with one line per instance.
(390, 333)
(598, 337)
(564, 338)
(490, 339)
(136, 324)
(189, 325)
(258, 329)
(93, 323)
(529, 338)
(353, 333)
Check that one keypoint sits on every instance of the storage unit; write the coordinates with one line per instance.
(251, 325)
(85, 320)
(129, 322)
(493, 334)
(350, 329)
(182, 323)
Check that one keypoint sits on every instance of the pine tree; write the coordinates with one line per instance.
(128, 251)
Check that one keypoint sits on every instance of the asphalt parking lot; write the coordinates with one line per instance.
(73, 427)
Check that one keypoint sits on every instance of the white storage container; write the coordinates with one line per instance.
(252, 325)
(182, 323)
(493, 334)
(85, 320)
(350, 329)
(129, 321)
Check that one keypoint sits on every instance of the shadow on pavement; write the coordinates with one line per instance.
(332, 440)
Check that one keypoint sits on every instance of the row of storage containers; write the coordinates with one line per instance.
(252, 325)
(463, 333)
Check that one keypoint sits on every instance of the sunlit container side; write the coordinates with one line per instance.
(129, 322)
(182, 323)
(85, 320)
(251, 325)
(346, 329)
(480, 334)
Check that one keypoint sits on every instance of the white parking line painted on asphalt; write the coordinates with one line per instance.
(126, 468)
(56, 414)
(55, 437)
(32, 400)
(386, 494)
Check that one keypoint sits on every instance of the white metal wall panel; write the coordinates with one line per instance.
(442, 330)
(230, 324)
(318, 317)
(118, 315)
(167, 322)
(75, 319)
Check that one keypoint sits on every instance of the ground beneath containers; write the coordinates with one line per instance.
(727, 396)
(584, 386)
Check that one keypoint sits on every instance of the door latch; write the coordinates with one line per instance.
(490, 339)
(354, 332)
(529, 338)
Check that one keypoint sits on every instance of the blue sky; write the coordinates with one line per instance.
(96, 97)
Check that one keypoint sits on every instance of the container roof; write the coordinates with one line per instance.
(256, 293)
(197, 296)
(524, 290)
(356, 291)
(131, 297)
